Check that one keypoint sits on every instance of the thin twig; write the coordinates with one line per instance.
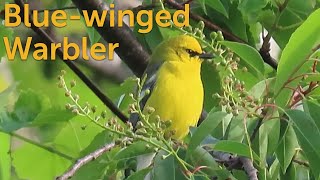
(85, 160)
(49, 40)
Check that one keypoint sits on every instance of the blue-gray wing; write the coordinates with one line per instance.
(151, 73)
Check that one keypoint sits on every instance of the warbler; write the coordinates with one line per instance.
(174, 82)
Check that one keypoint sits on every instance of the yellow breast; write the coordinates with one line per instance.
(178, 95)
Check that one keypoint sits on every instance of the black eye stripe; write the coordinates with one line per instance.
(192, 53)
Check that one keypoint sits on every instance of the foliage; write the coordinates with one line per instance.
(269, 116)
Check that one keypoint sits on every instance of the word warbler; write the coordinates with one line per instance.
(59, 18)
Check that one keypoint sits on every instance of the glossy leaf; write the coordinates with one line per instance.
(313, 109)
(235, 148)
(308, 136)
(26, 109)
(293, 59)
(139, 174)
(215, 4)
(206, 127)
(164, 168)
(248, 54)
(93, 34)
(45, 165)
(52, 116)
(62, 3)
(4, 32)
(5, 160)
(134, 150)
(251, 8)
(287, 146)
(291, 18)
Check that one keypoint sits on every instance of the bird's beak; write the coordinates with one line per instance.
(206, 55)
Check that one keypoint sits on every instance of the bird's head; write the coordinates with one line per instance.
(181, 48)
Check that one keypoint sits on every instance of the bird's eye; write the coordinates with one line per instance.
(192, 53)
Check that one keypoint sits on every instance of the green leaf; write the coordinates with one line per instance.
(4, 32)
(201, 157)
(267, 17)
(26, 109)
(62, 3)
(120, 94)
(313, 109)
(45, 165)
(134, 150)
(73, 138)
(5, 95)
(236, 129)
(209, 75)
(139, 174)
(252, 8)
(274, 170)
(248, 54)
(293, 59)
(268, 139)
(169, 32)
(5, 160)
(94, 36)
(236, 23)
(203, 5)
(312, 78)
(217, 5)
(291, 18)
(272, 128)
(164, 168)
(287, 146)
(52, 116)
(290, 173)
(308, 136)
(235, 148)
(205, 128)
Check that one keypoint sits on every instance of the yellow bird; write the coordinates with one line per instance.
(174, 80)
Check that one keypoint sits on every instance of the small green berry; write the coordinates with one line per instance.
(150, 110)
(213, 35)
(67, 94)
(94, 109)
(73, 83)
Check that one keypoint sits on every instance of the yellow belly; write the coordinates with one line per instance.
(178, 95)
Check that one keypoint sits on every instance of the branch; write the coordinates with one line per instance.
(130, 50)
(249, 168)
(85, 160)
(46, 38)
(228, 35)
(232, 162)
